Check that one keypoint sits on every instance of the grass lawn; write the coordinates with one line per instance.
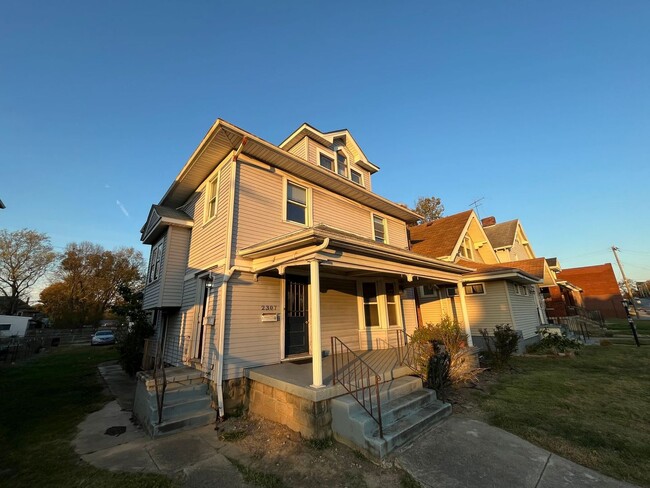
(42, 402)
(621, 326)
(593, 409)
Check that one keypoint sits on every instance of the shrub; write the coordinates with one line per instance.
(456, 367)
(134, 330)
(554, 343)
(502, 345)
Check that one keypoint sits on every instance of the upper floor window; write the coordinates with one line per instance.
(466, 248)
(212, 197)
(475, 289)
(326, 162)
(155, 262)
(379, 228)
(341, 164)
(356, 177)
(297, 208)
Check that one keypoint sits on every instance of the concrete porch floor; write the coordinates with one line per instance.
(296, 378)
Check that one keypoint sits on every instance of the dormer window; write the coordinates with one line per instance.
(326, 162)
(341, 164)
(356, 177)
(466, 248)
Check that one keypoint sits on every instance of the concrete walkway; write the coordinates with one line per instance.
(467, 453)
(108, 439)
(456, 453)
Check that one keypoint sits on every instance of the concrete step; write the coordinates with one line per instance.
(168, 427)
(407, 410)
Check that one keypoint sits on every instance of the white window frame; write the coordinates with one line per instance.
(328, 156)
(423, 294)
(308, 203)
(350, 170)
(209, 197)
(385, 225)
(521, 290)
(468, 292)
(155, 262)
(397, 303)
(347, 164)
(469, 247)
(377, 303)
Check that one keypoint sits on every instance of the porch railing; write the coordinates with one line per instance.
(158, 371)
(593, 315)
(573, 323)
(358, 379)
(411, 353)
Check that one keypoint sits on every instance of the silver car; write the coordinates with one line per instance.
(102, 337)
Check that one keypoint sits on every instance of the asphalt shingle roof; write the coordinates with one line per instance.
(503, 234)
(438, 239)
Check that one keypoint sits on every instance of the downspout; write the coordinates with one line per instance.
(228, 271)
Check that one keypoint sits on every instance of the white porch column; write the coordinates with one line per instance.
(463, 307)
(314, 320)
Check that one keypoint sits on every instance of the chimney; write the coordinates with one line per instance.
(488, 221)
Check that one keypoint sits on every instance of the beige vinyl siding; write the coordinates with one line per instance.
(209, 355)
(249, 342)
(431, 309)
(339, 312)
(151, 298)
(208, 243)
(397, 235)
(342, 214)
(524, 310)
(519, 252)
(488, 310)
(503, 255)
(300, 148)
(409, 311)
(258, 207)
(176, 253)
(180, 326)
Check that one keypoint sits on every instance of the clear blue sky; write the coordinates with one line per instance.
(540, 108)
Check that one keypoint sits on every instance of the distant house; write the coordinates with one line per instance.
(494, 292)
(600, 289)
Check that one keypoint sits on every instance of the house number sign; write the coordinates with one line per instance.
(268, 308)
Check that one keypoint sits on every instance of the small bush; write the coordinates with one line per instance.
(502, 345)
(554, 343)
(320, 444)
(606, 343)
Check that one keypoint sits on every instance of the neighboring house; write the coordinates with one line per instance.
(508, 240)
(262, 253)
(600, 289)
(13, 326)
(494, 292)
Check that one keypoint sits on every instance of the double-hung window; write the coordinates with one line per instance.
(370, 304)
(154, 262)
(466, 248)
(475, 289)
(297, 207)
(212, 196)
(379, 228)
(341, 164)
(356, 177)
(391, 303)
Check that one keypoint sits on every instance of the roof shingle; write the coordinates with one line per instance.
(438, 239)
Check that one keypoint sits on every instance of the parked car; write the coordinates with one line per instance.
(102, 337)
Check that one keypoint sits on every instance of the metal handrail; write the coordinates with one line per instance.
(159, 364)
(357, 377)
(414, 351)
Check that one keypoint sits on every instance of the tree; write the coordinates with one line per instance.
(25, 256)
(88, 282)
(135, 327)
(431, 208)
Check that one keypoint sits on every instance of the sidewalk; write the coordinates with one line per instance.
(196, 458)
(457, 453)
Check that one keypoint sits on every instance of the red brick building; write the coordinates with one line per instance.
(600, 288)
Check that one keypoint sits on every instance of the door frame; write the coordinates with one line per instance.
(283, 315)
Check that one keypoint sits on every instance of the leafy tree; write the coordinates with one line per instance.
(25, 256)
(135, 327)
(88, 282)
(431, 208)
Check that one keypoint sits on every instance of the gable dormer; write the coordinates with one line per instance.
(335, 151)
(473, 244)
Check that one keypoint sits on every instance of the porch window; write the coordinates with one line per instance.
(212, 196)
(379, 228)
(326, 162)
(429, 291)
(391, 303)
(296, 203)
(370, 305)
(475, 289)
(452, 292)
(341, 164)
(356, 177)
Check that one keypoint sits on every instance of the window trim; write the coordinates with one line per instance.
(385, 225)
(285, 201)
(521, 290)
(397, 304)
(345, 175)
(482, 285)
(361, 182)
(377, 303)
(208, 198)
(332, 159)
(435, 294)
(470, 248)
(155, 263)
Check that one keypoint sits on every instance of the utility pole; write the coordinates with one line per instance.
(627, 283)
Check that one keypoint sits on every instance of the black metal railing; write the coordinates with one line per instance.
(160, 384)
(593, 315)
(573, 323)
(358, 379)
(411, 353)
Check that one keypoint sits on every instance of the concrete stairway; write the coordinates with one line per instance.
(407, 410)
(186, 402)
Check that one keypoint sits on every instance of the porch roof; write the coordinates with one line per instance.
(341, 248)
(505, 271)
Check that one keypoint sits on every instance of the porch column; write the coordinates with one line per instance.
(314, 320)
(463, 307)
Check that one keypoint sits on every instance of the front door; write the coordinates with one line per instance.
(296, 331)
(204, 306)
